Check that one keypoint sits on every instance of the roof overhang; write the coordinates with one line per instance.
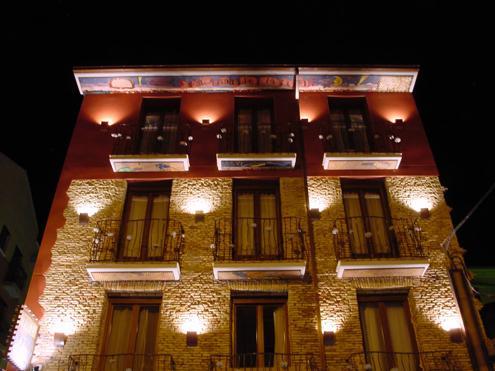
(214, 79)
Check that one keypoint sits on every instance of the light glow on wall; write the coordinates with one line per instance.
(450, 322)
(193, 204)
(418, 203)
(191, 322)
(329, 325)
(86, 208)
(65, 326)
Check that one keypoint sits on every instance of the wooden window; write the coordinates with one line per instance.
(349, 124)
(387, 332)
(259, 334)
(257, 227)
(145, 221)
(254, 118)
(4, 239)
(160, 129)
(130, 333)
(368, 219)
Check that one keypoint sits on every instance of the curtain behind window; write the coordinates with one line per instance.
(134, 229)
(158, 226)
(145, 339)
(374, 339)
(269, 227)
(245, 240)
(279, 322)
(377, 223)
(401, 336)
(244, 131)
(118, 340)
(355, 223)
(264, 125)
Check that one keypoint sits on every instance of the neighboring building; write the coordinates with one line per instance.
(18, 241)
(250, 217)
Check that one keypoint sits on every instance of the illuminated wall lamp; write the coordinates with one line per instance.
(304, 121)
(83, 218)
(315, 214)
(205, 121)
(399, 121)
(104, 126)
(329, 338)
(456, 335)
(59, 339)
(192, 338)
(424, 213)
(199, 216)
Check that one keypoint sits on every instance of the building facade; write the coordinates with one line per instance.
(249, 217)
(18, 242)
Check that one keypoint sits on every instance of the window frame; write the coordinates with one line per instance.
(150, 190)
(259, 302)
(346, 103)
(257, 187)
(361, 187)
(160, 106)
(136, 302)
(254, 104)
(382, 298)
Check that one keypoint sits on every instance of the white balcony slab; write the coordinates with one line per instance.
(361, 161)
(241, 270)
(149, 163)
(256, 161)
(99, 272)
(382, 268)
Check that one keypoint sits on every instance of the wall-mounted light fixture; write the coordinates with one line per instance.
(456, 335)
(329, 338)
(192, 338)
(199, 216)
(399, 121)
(205, 121)
(104, 126)
(315, 213)
(59, 339)
(83, 218)
(424, 213)
(304, 121)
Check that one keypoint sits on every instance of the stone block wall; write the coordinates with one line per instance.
(76, 306)
(431, 298)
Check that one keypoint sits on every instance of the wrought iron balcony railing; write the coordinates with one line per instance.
(264, 361)
(137, 240)
(340, 138)
(403, 361)
(266, 139)
(376, 237)
(113, 362)
(259, 239)
(151, 139)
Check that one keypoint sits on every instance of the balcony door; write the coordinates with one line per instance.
(256, 220)
(160, 128)
(145, 222)
(259, 332)
(367, 218)
(130, 334)
(254, 118)
(348, 120)
(387, 332)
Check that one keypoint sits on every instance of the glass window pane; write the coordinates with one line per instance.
(245, 336)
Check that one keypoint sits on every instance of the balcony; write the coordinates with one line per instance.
(259, 248)
(425, 361)
(354, 149)
(91, 362)
(378, 247)
(136, 250)
(269, 148)
(150, 148)
(264, 361)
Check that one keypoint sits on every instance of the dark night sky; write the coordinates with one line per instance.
(41, 44)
